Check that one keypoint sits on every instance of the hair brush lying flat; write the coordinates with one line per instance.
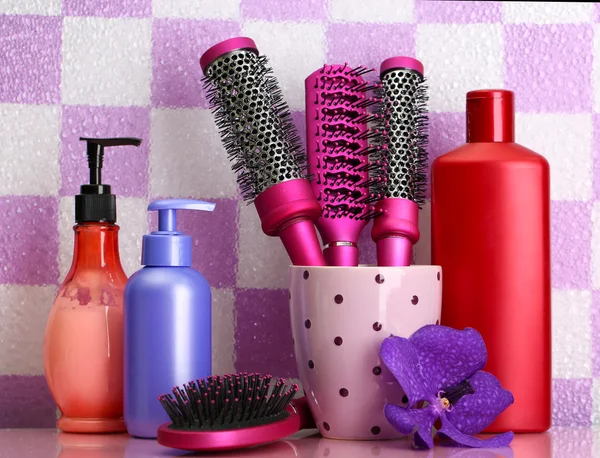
(263, 144)
(396, 229)
(342, 138)
(231, 412)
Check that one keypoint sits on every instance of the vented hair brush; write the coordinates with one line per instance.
(396, 228)
(342, 138)
(231, 412)
(263, 144)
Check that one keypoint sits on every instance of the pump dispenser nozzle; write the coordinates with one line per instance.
(167, 246)
(95, 203)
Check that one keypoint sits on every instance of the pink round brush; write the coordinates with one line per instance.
(340, 136)
(232, 412)
(396, 228)
(261, 140)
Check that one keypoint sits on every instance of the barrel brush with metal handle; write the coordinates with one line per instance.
(396, 228)
(342, 138)
(263, 144)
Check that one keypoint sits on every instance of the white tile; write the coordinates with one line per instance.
(223, 333)
(24, 311)
(596, 68)
(39, 7)
(596, 412)
(106, 61)
(197, 9)
(294, 49)
(458, 59)
(263, 262)
(30, 149)
(186, 144)
(571, 334)
(422, 250)
(547, 12)
(566, 141)
(132, 218)
(385, 11)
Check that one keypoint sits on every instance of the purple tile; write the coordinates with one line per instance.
(276, 10)
(369, 44)
(214, 239)
(108, 8)
(367, 250)
(25, 402)
(263, 338)
(29, 244)
(572, 402)
(549, 67)
(596, 334)
(125, 167)
(30, 60)
(177, 45)
(571, 244)
(299, 119)
(448, 12)
(446, 132)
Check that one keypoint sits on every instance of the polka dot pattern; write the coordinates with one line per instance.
(347, 326)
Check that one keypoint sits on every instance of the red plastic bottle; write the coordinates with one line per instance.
(491, 235)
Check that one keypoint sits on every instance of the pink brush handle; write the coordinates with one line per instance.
(341, 254)
(301, 243)
(289, 209)
(395, 231)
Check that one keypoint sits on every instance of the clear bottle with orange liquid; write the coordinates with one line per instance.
(83, 345)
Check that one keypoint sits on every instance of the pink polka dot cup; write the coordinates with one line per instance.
(340, 316)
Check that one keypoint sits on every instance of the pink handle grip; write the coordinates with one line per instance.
(288, 210)
(395, 231)
(341, 255)
(301, 243)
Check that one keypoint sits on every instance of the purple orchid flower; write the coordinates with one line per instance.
(442, 366)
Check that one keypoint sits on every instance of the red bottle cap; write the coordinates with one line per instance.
(490, 116)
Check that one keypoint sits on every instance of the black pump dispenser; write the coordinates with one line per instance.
(96, 203)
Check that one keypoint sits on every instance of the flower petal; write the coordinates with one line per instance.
(449, 431)
(401, 358)
(475, 412)
(447, 355)
(406, 420)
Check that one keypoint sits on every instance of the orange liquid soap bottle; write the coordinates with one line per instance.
(83, 345)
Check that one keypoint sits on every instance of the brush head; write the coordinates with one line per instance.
(405, 107)
(253, 119)
(342, 137)
(228, 402)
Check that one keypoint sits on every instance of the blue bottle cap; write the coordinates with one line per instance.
(167, 246)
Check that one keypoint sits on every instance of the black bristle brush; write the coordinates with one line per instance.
(264, 146)
(232, 411)
(396, 228)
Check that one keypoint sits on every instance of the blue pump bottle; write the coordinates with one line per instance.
(167, 321)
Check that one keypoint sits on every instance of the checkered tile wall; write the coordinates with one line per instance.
(130, 67)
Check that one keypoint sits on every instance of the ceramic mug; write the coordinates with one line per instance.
(340, 316)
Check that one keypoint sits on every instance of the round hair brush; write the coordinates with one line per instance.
(396, 228)
(263, 144)
(341, 137)
(231, 412)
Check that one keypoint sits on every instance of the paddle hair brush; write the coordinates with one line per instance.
(263, 144)
(395, 228)
(231, 412)
(342, 141)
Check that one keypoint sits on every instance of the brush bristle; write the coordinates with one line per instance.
(345, 139)
(254, 122)
(228, 402)
(405, 107)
